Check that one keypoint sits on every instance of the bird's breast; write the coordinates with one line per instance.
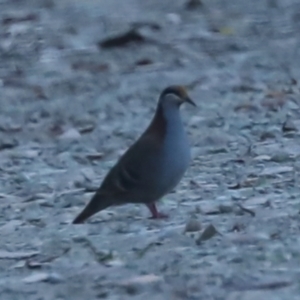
(177, 155)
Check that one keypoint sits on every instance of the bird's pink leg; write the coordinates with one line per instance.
(155, 213)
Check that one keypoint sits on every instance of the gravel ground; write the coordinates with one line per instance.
(79, 83)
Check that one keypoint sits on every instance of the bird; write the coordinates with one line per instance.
(152, 166)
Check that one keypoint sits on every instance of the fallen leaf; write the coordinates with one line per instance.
(94, 156)
(121, 40)
(272, 285)
(245, 88)
(246, 107)
(144, 62)
(17, 19)
(16, 255)
(87, 128)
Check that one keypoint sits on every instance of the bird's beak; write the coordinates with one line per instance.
(190, 101)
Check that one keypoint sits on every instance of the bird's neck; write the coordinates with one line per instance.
(166, 118)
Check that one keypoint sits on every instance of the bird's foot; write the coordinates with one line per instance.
(155, 213)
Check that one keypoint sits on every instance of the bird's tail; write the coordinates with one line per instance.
(96, 204)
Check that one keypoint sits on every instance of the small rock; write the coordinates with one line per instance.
(9, 125)
(247, 238)
(46, 277)
(94, 156)
(8, 143)
(256, 201)
(85, 179)
(193, 4)
(30, 153)
(54, 278)
(10, 226)
(281, 157)
(70, 134)
(19, 265)
(143, 279)
(267, 135)
(88, 174)
(173, 18)
(288, 126)
(135, 285)
(244, 210)
(21, 153)
(192, 225)
(262, 158)
(37, 277)
(207, 234)
(33, 265)
(225, 209)
(87, 128)
(16, 255)
(114, 263)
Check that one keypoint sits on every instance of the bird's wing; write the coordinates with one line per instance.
(135, 170)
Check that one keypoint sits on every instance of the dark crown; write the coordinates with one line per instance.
(176, 90)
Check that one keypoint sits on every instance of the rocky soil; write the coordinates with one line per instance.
(79, 82)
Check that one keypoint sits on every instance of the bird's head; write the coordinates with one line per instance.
(175, 95)
(169, 102)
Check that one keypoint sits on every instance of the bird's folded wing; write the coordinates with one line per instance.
(136, 169)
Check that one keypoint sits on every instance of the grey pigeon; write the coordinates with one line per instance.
(152, 166)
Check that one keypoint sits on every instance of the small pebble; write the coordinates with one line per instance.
(192, 225)
(173, 18)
